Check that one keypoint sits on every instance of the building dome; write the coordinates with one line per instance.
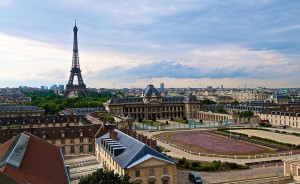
(151, 91)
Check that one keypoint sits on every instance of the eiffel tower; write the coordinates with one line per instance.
(75, 70)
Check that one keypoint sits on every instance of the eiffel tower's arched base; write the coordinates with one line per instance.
(79, 88)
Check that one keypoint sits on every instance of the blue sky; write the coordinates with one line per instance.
(183, 43)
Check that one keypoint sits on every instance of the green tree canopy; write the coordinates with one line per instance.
(104, 177)
(207, 101)
(53, 103)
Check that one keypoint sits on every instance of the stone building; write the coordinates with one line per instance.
(151, 104)
(124, 154)
(292, 168)
(41, 121)
(18, 111)
(73, 138)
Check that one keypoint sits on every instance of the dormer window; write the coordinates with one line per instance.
(44, 135)
(63, 134)
(80, 133)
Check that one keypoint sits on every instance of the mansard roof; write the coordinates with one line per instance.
(134, 152)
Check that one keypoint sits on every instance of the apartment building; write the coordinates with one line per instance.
(282, 117)
(18, 111)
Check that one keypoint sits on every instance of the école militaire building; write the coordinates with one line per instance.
(151, 104)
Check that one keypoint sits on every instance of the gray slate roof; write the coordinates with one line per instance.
(135, 150)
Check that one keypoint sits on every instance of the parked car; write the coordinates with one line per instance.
(195, 178)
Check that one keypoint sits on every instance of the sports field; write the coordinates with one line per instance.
(204, 142)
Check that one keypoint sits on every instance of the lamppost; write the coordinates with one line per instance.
(230, 129)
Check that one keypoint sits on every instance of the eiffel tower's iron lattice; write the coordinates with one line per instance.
(75, 70)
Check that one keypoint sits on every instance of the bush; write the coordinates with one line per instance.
(265, 124)
(196, 164)
(154, 119)
(182, 161)
(186, 122)
(184, 118)
(241, 167)
(172, 119)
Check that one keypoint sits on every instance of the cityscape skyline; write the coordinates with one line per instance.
(180, 44)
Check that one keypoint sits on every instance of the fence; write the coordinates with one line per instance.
(176, 126)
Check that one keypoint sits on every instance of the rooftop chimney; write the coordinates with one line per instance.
(153, 144)
(113, 135)
(140, 136)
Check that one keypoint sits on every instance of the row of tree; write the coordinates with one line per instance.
(53, 103)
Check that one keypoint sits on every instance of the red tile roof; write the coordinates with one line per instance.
(42, 163)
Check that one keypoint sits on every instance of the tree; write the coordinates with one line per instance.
(172, 119)
(235, 102)
(140, 119)
(167, 122)
(105, 177)
(201, 121)
(207, 101)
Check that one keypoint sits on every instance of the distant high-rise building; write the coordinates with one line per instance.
(222, 86)
(43, 88)
(209, 87)
(61, 87)
(162, 86)
(53, 87)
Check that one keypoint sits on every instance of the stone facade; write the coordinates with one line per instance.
(292, 168)
(151, 104)
(124, 154)
(282, 117)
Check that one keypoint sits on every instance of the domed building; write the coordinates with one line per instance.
(151, 104)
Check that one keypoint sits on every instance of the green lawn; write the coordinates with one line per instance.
(150, 122)
(180, 121)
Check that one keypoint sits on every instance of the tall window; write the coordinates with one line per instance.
(72, 150)
(63, 150)
(165, 181)
(81, 139)
(72, 140)
(81, 149)
(63, 141)
(151, 172)
(90, 148)
(137, 173)
(151, 182)
(165, 170)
